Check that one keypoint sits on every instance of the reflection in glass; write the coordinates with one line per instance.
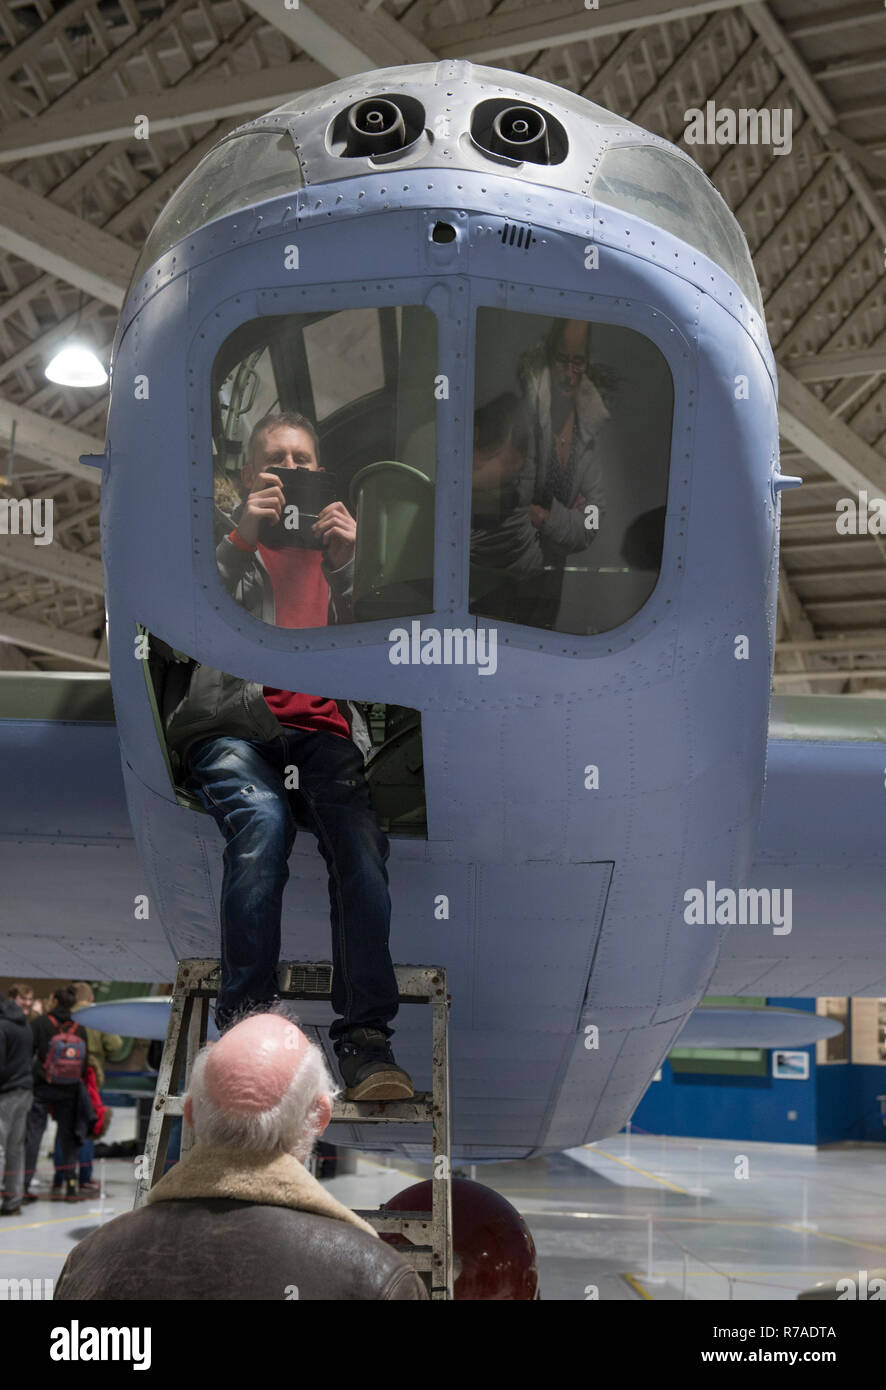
(244, 170)
(673, 193)
(324, 445)
(507, 561)
(572, 431)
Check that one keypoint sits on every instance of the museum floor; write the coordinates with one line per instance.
(635, 1217)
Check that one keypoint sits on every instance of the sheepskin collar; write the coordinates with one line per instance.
(264, 1179)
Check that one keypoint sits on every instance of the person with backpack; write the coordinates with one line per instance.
(100, 1047)
(16, 1089)
(60, 1061)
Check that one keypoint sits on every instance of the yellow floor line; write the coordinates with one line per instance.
(47, 1254)
(825, 1235)
(637, 1287)
(634, 1169)
(793, 1226)
(665, 1219)
(53, 1221)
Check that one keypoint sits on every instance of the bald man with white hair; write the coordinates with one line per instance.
(240, 1216)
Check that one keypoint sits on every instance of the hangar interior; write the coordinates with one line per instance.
(106, 106)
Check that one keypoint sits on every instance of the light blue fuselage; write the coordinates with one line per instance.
(565, 904)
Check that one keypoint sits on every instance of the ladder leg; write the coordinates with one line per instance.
(197, 980)
(441, 1182)
(174, 1049)
(197, 1028)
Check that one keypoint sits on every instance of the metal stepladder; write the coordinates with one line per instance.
(197, 982)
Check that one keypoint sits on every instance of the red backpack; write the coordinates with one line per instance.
(65, 1055)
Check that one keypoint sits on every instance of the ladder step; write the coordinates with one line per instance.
(172, 1105)
(421, 1257)
(417, 1111)
(304, 980)
(429, 1248)
(414, 1224)
(402, 1112)
(416, 984)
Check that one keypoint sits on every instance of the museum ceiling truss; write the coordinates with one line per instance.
(79, 192)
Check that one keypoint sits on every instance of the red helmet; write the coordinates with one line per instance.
(494, 1252)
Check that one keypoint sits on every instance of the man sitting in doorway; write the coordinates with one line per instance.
(237, 742)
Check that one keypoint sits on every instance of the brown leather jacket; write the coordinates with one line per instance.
(228, 1224)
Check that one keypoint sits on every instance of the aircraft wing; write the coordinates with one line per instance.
(822, 836)
(69, 869)
(709, 1026)
(71, 875)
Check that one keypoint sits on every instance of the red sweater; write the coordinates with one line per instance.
(301, 596)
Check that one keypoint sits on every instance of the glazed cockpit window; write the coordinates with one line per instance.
(572, 441)
(674, 194)
(324, 463)
(355, 335)
(244, 170)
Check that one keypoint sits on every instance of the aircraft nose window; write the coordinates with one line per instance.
(243, 170)
(324, 462)
(572, 441)
(675, 194)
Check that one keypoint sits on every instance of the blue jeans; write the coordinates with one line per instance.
(242, 784)
(62, 1099)
(84, 1158)
(14, 1108)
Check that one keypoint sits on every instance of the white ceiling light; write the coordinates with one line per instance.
(76, 365)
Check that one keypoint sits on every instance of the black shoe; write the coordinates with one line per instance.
(12, 1210)
(368, 1069)
(30, 1197)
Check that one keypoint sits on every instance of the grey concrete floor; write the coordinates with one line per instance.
(631, 1218)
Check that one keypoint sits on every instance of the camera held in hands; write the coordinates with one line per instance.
(305, 493)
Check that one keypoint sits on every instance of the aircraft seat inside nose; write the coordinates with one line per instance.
(393, 570)
(395, 774)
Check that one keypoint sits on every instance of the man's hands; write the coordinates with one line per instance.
(538, 515)
(335, 528)
(265, 503)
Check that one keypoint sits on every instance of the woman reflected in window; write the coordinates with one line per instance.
(565, 462)
(506, 554)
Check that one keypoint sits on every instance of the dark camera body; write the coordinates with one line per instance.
(306, 492)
